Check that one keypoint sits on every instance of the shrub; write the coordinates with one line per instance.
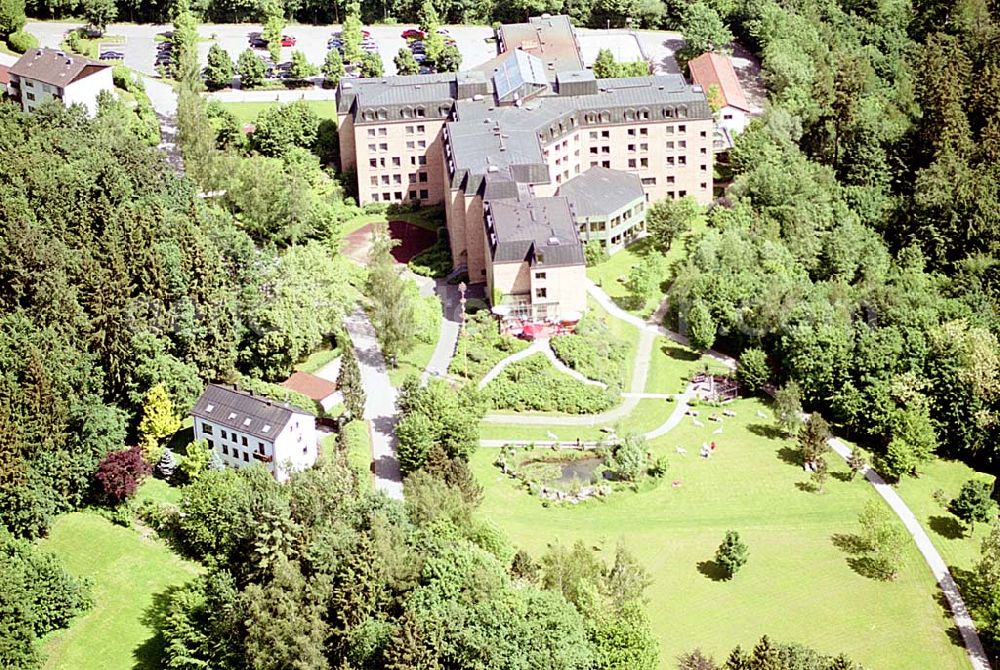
(120, 473)
(436, 260)
(753, 372)
(21, 41)
(593, 351)
(731, 554)
(482, 346)
(533, 385)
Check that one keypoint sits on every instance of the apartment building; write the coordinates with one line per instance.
(518, 128)
(45, 74)
(244, 428)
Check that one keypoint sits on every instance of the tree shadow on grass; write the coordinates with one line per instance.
(859, 560)
(679, 353)
(150, 654)
(947, 527)
(713, 571)
(765, 430)
(842, 476)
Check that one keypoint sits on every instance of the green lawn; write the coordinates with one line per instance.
(959, 550)
(130, 571)
(797, 586)
(318, 358)
(649, 414)
(246, 112)
(610, 275)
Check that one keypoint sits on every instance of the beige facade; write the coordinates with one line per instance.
(396, 161)
(538, 292)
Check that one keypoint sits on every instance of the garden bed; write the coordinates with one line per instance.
(532, 384)
(594, 351)
(482, 346)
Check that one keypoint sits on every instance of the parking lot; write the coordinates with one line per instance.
(140, 47)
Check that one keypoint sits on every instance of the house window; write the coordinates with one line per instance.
(372, 162)
(682, 160)
(422, 160)
(644, 162)
(704, 186)
(211, 445)
(31, 96)
(703, 133)
(383, 147)
(413, 195)
(670, 179)
(246, 457)
(410, 145)
(704, 168)
(421, 144)
(631, 162)
(409, 130)
(372, 147)
(395, 161)
(541, 293)
(649, 181)
(206, 428)
(244, 441)
(374, 180)
(423, 194)
(644, 131)
(225, 450)
(412, 177)
(260, 448)
(606, 164)
(420, 129)
(727, 117)
(631, 147)
(703, 151)
(422, 177)
(681, 194)
(682, 128)
(371, 132)
(682, 144)
(539, 275)
(223, 434)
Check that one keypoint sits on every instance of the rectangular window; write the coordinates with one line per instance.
(244, 440)
(704, 186)
(704, 168)
(412, 177)
(606, 164)
(372, 147)
(413, 195)
(395, 161)
(682, 144)
(422, 160)
(397, 179)
(541, 293)
(371, 132)
(399, 195)
(382, 132)
(423, 194)
(605, 134)
(670, 179)
(703, 151)
(206, 428)
(605, 150)
(385, 179)
(372, 162)
(631, 162)
(374, 180)
(246, 457)
(31, 96)
(539, 275)
(593, 134)
(383, 147)
(409, 130)
(727, 117)
(260, 448)
(631, 147)
(410, 145)
(593, 163)
(669, 130)
(644, 131)
(223, 434)
(644, 146)
(682, 160)
(423, 177)
(421, 144)
(225, 450)
(682, 128)
(644, 162)
(703, 133)
(211, 445)
(670, 161)
(681, 194)
(593, 150)
(649, 181)
(420, 129)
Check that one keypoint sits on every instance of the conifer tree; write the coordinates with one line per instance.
(349, 380)
(168, 464)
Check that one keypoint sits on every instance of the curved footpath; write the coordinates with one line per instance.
(960, 612)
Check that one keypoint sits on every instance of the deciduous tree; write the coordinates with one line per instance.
(219, 72)
(333, 68)
(667, 219)
(121, 472)
(974, 503)
(392, 313)
(158, 421)
(99, 13)
(788, 408)
(753, 371)
(251, 69)
(405, 62)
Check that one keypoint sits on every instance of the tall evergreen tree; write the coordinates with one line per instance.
(349, 379)
(392, 312)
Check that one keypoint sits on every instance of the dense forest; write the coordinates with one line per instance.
(858, 244)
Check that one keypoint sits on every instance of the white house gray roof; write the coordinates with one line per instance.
(601, 191)
(54, 67)
(243, 411)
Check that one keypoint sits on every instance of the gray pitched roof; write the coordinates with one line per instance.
(243, 411)
(601, 191)
(53, 67)
(538, 230)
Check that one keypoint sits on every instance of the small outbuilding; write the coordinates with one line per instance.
(715, 73)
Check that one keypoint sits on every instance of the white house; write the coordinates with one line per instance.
(715, 71)
(245, 428)
(43, 74)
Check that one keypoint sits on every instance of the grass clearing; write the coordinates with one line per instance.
(129, 571)
(648, 414)
(610, 275)
(247, 112)
(797, 586)
(317, 359)
(359, 450)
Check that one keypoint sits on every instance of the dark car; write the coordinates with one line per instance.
(258, 42)
(112, 55)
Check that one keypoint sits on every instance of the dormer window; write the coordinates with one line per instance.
(210, 408)
(406, 112)
(246, 421)
(420, 113)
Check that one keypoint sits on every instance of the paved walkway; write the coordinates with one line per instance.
(959, 611)
(448, 336)
(380, 404)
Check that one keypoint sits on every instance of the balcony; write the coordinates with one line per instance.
(263, 458)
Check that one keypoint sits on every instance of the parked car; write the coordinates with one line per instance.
(258, 42)
(162, 58)
(287, 41)
(370, 48)
(424, 69)
(365, 33)
(418, 48)
(112, 55)
(413, 34)
(420, 58)
(334, 43)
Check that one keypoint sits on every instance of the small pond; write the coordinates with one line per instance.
(581, 469)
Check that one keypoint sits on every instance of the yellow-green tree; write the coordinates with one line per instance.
(158, 422)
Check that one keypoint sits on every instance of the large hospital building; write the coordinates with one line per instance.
(531, 157)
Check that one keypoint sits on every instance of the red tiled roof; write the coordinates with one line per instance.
(712, 68)
(4, 77)
(311, 386)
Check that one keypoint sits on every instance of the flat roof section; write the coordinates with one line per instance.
(550, 38)
(601, 191)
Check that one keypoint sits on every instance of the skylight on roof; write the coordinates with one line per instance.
(246, 421)
(267, 428)
(232, 415)
(210, 408)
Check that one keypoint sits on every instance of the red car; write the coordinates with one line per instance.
(413, 34)
(287, 41)
(365, 33)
